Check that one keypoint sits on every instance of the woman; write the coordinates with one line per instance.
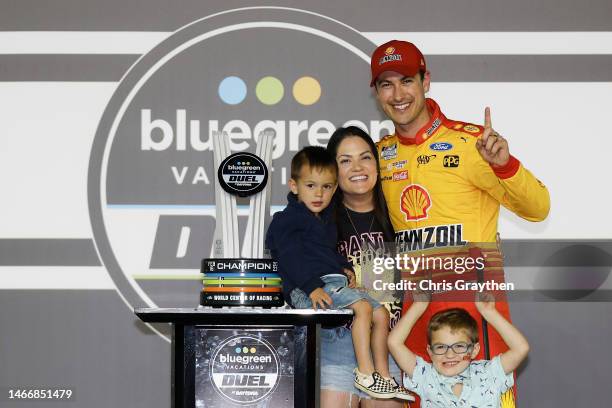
(361, 216)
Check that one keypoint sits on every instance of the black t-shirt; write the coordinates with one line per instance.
(364, 233)
(364, 228)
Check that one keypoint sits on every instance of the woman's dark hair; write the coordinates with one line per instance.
(380, 205)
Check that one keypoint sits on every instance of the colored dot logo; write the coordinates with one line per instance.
(270, 90)
(245, 350)
(307, 90)
(232, 90)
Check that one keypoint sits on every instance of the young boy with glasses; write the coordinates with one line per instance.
(454, 378)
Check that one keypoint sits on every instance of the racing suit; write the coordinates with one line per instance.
(441, 194)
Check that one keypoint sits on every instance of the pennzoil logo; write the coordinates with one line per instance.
(415, 202)
(389, 58)
(438, 236)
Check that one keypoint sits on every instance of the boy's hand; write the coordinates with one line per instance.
(485, 303)
(420, 302)
(518, 347)
(351, 278)
(320, 298)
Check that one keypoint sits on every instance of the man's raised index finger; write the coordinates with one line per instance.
(487, 121)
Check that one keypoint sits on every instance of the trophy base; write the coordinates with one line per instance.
(241, 282)
(244, 298)
(236, 267)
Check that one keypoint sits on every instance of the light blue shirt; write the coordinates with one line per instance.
(484, 381)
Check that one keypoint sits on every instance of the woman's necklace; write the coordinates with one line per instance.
(353, 224)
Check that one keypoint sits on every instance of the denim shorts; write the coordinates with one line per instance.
(338, 361)
(336, 286)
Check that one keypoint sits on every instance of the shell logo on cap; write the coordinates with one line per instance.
(390, 50)
(415, 202)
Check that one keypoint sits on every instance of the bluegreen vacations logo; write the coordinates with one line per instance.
(151, 182)
(244, 369)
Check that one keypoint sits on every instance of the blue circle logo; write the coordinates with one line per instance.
(440, 146)
(232, 90)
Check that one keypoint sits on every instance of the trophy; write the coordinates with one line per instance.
(233, 277)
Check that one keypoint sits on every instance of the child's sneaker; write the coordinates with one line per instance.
(374, 385)
(401, 392)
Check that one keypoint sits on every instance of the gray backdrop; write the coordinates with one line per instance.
(88, 340)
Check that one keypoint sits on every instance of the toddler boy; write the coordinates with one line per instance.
(302, 238)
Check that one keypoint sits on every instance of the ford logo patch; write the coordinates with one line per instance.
(441, 146)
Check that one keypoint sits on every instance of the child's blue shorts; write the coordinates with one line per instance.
(336, 286)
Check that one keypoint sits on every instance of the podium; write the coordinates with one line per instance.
(245, 357)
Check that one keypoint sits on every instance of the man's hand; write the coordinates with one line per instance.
(491, 145)
(351, 278)
(320, 299)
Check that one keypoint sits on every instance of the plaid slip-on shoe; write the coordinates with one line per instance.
(374, 385)
(401, 392)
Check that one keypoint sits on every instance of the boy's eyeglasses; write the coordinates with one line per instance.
(458, 348)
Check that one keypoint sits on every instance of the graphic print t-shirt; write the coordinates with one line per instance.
(361, 246)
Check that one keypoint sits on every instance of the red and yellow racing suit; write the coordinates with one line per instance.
(442, 194)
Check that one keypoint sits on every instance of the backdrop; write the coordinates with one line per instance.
(107, 182)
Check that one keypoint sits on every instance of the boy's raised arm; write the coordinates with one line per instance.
(404, 357)
(518, 347)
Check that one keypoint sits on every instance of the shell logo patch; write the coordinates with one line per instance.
(389, 50)
(415, 202)
(471, 128)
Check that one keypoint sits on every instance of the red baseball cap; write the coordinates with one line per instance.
(399, 56)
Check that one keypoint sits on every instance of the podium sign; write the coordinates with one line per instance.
(245, 357)
(244, 367)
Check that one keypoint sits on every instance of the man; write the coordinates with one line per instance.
(444, 180)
